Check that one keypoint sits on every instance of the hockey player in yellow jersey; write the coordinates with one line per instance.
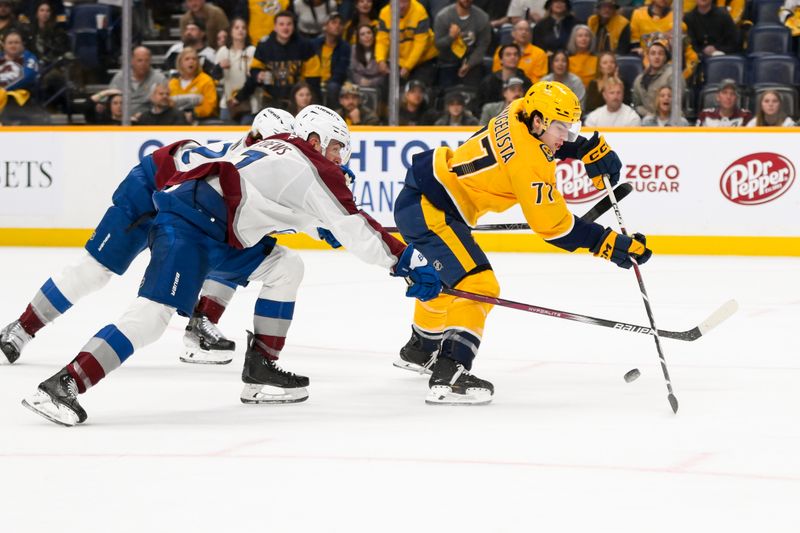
(510, 161)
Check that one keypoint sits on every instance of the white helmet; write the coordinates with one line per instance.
(325, 123)
(272, 121)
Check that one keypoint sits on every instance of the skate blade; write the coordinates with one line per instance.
(197, 356)
(413, 367)
(442, 395)
(254, 393)
(41, 404)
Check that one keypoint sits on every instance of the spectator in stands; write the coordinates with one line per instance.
(770, 111)
(300, 97)
(612, 31)
(260, 16)
(44, 38)
(161, 112)
(234, 58)
(582, 62)
(512, 89)
(790, 16)
(280, 61)
(351, 110)
(663, 114)
(364, 70)
(193, 88)
(455, 112)
(222, 38)
(212, 18)
(559, 71)
(527, 10)
(606, 68)
(654, 22)
(311, 16)
(496, 9)
(194, 36)
(417, 54)
(27, 12)
(18, 67)
(614, 113)
(414, 105)
(365, 12)
(104, 108)
(727, 111)
(657, 74)
(533, 60)
(142, 79)
(8, 22)
(711, 29)
(491, 87)
(552, 32)
(462, 35)
(334, 58)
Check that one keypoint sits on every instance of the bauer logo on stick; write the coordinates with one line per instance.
(757, 178)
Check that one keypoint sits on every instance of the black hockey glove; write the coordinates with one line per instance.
(619, 248)
(598, 159)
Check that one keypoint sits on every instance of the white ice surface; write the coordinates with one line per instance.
(566, 445)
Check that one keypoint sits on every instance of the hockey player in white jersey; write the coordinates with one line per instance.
(121, 236)
(209, 221)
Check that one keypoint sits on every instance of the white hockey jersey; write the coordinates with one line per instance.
(279, 185)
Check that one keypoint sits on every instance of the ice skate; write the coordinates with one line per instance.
(266, 382)
(452, 384)
(205, 344)
(13, 339)
(56, 399)
(419, 353)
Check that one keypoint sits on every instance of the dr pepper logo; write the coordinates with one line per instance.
(757, 178)
(574, 184)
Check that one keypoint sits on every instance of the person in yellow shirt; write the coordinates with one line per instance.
(260, 16)
(612, 31)
(194, 84)
(582, 62)
(735, 8)
(654, 21)
(416, 49)
(533, 61)
(510, 161)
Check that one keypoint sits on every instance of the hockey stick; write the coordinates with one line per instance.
(673, 401)
(591, 215)
(716, 318)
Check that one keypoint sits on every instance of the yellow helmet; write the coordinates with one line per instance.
(554, 101)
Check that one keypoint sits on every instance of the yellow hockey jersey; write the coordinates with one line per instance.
(262, 17)
(416, 36)
(499, 166)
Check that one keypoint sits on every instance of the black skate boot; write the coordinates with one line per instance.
(452, 384)
(420, 351)
(266, 382)
(13, 339)
(205, 343)
(57, 400)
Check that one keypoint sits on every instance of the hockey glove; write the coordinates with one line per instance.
(349, 175)
(328, 237)
(424, 280)
(619, 248)
(598, 159)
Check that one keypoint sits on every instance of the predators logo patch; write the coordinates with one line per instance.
(547, 152)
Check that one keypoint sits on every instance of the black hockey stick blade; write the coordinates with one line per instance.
(591, 215)
(673, 402)
(717, 317)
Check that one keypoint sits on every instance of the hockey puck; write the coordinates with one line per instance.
(632, 375)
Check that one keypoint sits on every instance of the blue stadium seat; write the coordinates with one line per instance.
(769, 39)
(84, 16)
(434, 6)
(780, 69)
(504, 34)
(583, 9)
(718, 68)
(765, 11)
(629, 68)
(788, 96)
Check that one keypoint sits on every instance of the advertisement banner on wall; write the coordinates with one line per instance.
(688, 182)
